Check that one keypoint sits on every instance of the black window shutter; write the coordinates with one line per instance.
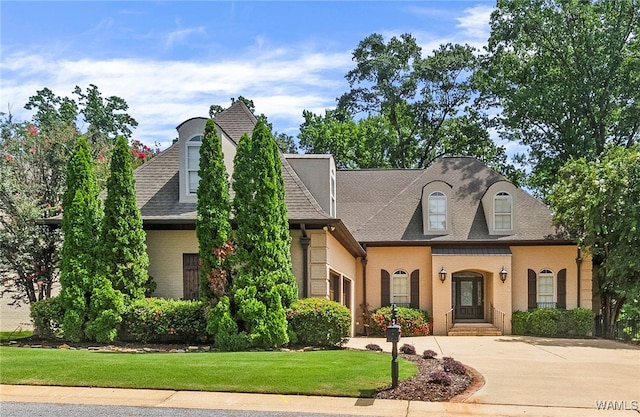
(385, 288)
(532, 290)
(562, 289)
(415, 289)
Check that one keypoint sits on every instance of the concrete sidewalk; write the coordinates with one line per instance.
(524, 377)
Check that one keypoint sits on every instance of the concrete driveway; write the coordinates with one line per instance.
(532, 371)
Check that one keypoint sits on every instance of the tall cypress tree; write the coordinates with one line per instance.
(265, 284)
(123, 238)
(214, 208)
(82, 216)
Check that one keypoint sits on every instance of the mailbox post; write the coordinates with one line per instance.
(393, 336)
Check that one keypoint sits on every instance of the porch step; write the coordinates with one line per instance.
(474, 329)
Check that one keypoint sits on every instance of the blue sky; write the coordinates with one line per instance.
(171, 60)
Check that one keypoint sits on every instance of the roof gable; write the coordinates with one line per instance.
(385, 205)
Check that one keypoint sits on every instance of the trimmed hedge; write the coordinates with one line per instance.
(318, 322)
(159, 320)
(412, 322)
(551, 322)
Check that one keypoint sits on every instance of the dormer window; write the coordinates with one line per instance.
(502, 211)
(193, 163)
(437, 212)
(436, 201)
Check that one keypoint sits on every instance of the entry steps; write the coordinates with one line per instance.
(474, 329)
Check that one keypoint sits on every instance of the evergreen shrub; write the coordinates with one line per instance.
(159, 320)
(318, 322)
(551, 322)
(412, 321)
(47, 317)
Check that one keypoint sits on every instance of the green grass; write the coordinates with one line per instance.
(9, 336)
(332, 372)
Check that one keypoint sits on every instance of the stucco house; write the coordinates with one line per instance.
(456, 239)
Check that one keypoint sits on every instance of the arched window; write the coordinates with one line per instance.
(400, 288)
(545, 289)
(437, 211)
(193, 163)
(502, 211)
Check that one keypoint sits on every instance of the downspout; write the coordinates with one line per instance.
(363, 260)
(578, 263)
(305, 240)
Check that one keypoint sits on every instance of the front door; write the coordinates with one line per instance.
(468, 296)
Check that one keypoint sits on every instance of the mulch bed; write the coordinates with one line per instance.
(420, 387)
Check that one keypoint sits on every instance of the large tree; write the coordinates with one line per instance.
(214, 209)
(565, 75)
(32, 165)
(33, 159)
(264, 285)
(421, 108)
(597, 203)
(123, 238)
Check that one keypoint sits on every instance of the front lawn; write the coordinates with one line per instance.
(331, 373)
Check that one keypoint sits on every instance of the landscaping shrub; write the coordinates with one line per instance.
(47, 317)
(373, 347)
(550, 322)
(429, 354)
(440, 377)
(453, 366)
(163, 320)
(224, 329)
(412, 321)
(319, 322)
(408, 349)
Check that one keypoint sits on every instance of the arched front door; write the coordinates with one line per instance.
(468, 296)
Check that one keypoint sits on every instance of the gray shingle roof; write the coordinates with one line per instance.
(385, 205)
(157, 182)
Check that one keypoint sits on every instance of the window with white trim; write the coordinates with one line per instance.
(545, 289)
(193, 163)
(437, 211)
(502, 211)
(400, 288)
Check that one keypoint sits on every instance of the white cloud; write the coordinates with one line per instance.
(179, 36)
(475, 22)
(162, 94)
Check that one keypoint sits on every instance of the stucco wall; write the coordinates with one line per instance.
(553, 258)
(392, 259)
(495, 292)
(165, 249)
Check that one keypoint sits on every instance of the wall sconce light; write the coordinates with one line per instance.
(443, 274)
(503, 275)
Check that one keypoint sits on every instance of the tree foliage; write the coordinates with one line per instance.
(264, 284)
(123, 238)
(32, 165)
(597, 203)
(565, 75)
(214, 208)
(33, 159)
(79, 267)
(411, 109)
